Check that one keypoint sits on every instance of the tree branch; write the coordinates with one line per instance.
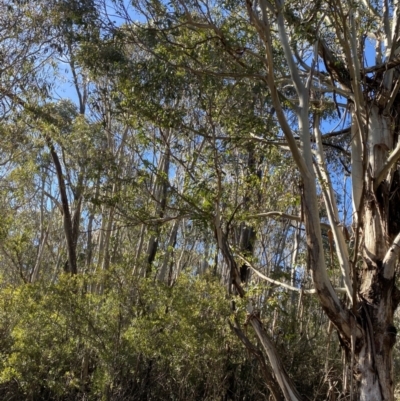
(384, 66)
(289, 390)
(269, 378)
(390, 162)
(284, 285)
(332, 210)
(284, 216)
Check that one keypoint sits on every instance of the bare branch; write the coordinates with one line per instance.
(333, 214)
(264, 31)
(284, 216)
(284, 285)
(57, 203)
(384, 66)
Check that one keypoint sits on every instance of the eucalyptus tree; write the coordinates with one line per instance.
(326, 59)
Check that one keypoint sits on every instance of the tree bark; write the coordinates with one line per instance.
(378, 294)
(70, 236)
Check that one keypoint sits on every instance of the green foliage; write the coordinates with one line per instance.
(68, 339)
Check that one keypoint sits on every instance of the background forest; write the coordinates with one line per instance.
(143, 170)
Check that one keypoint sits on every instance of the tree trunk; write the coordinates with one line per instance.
(162, 273)
(378, 295)
(70, 235)
(160, 196)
